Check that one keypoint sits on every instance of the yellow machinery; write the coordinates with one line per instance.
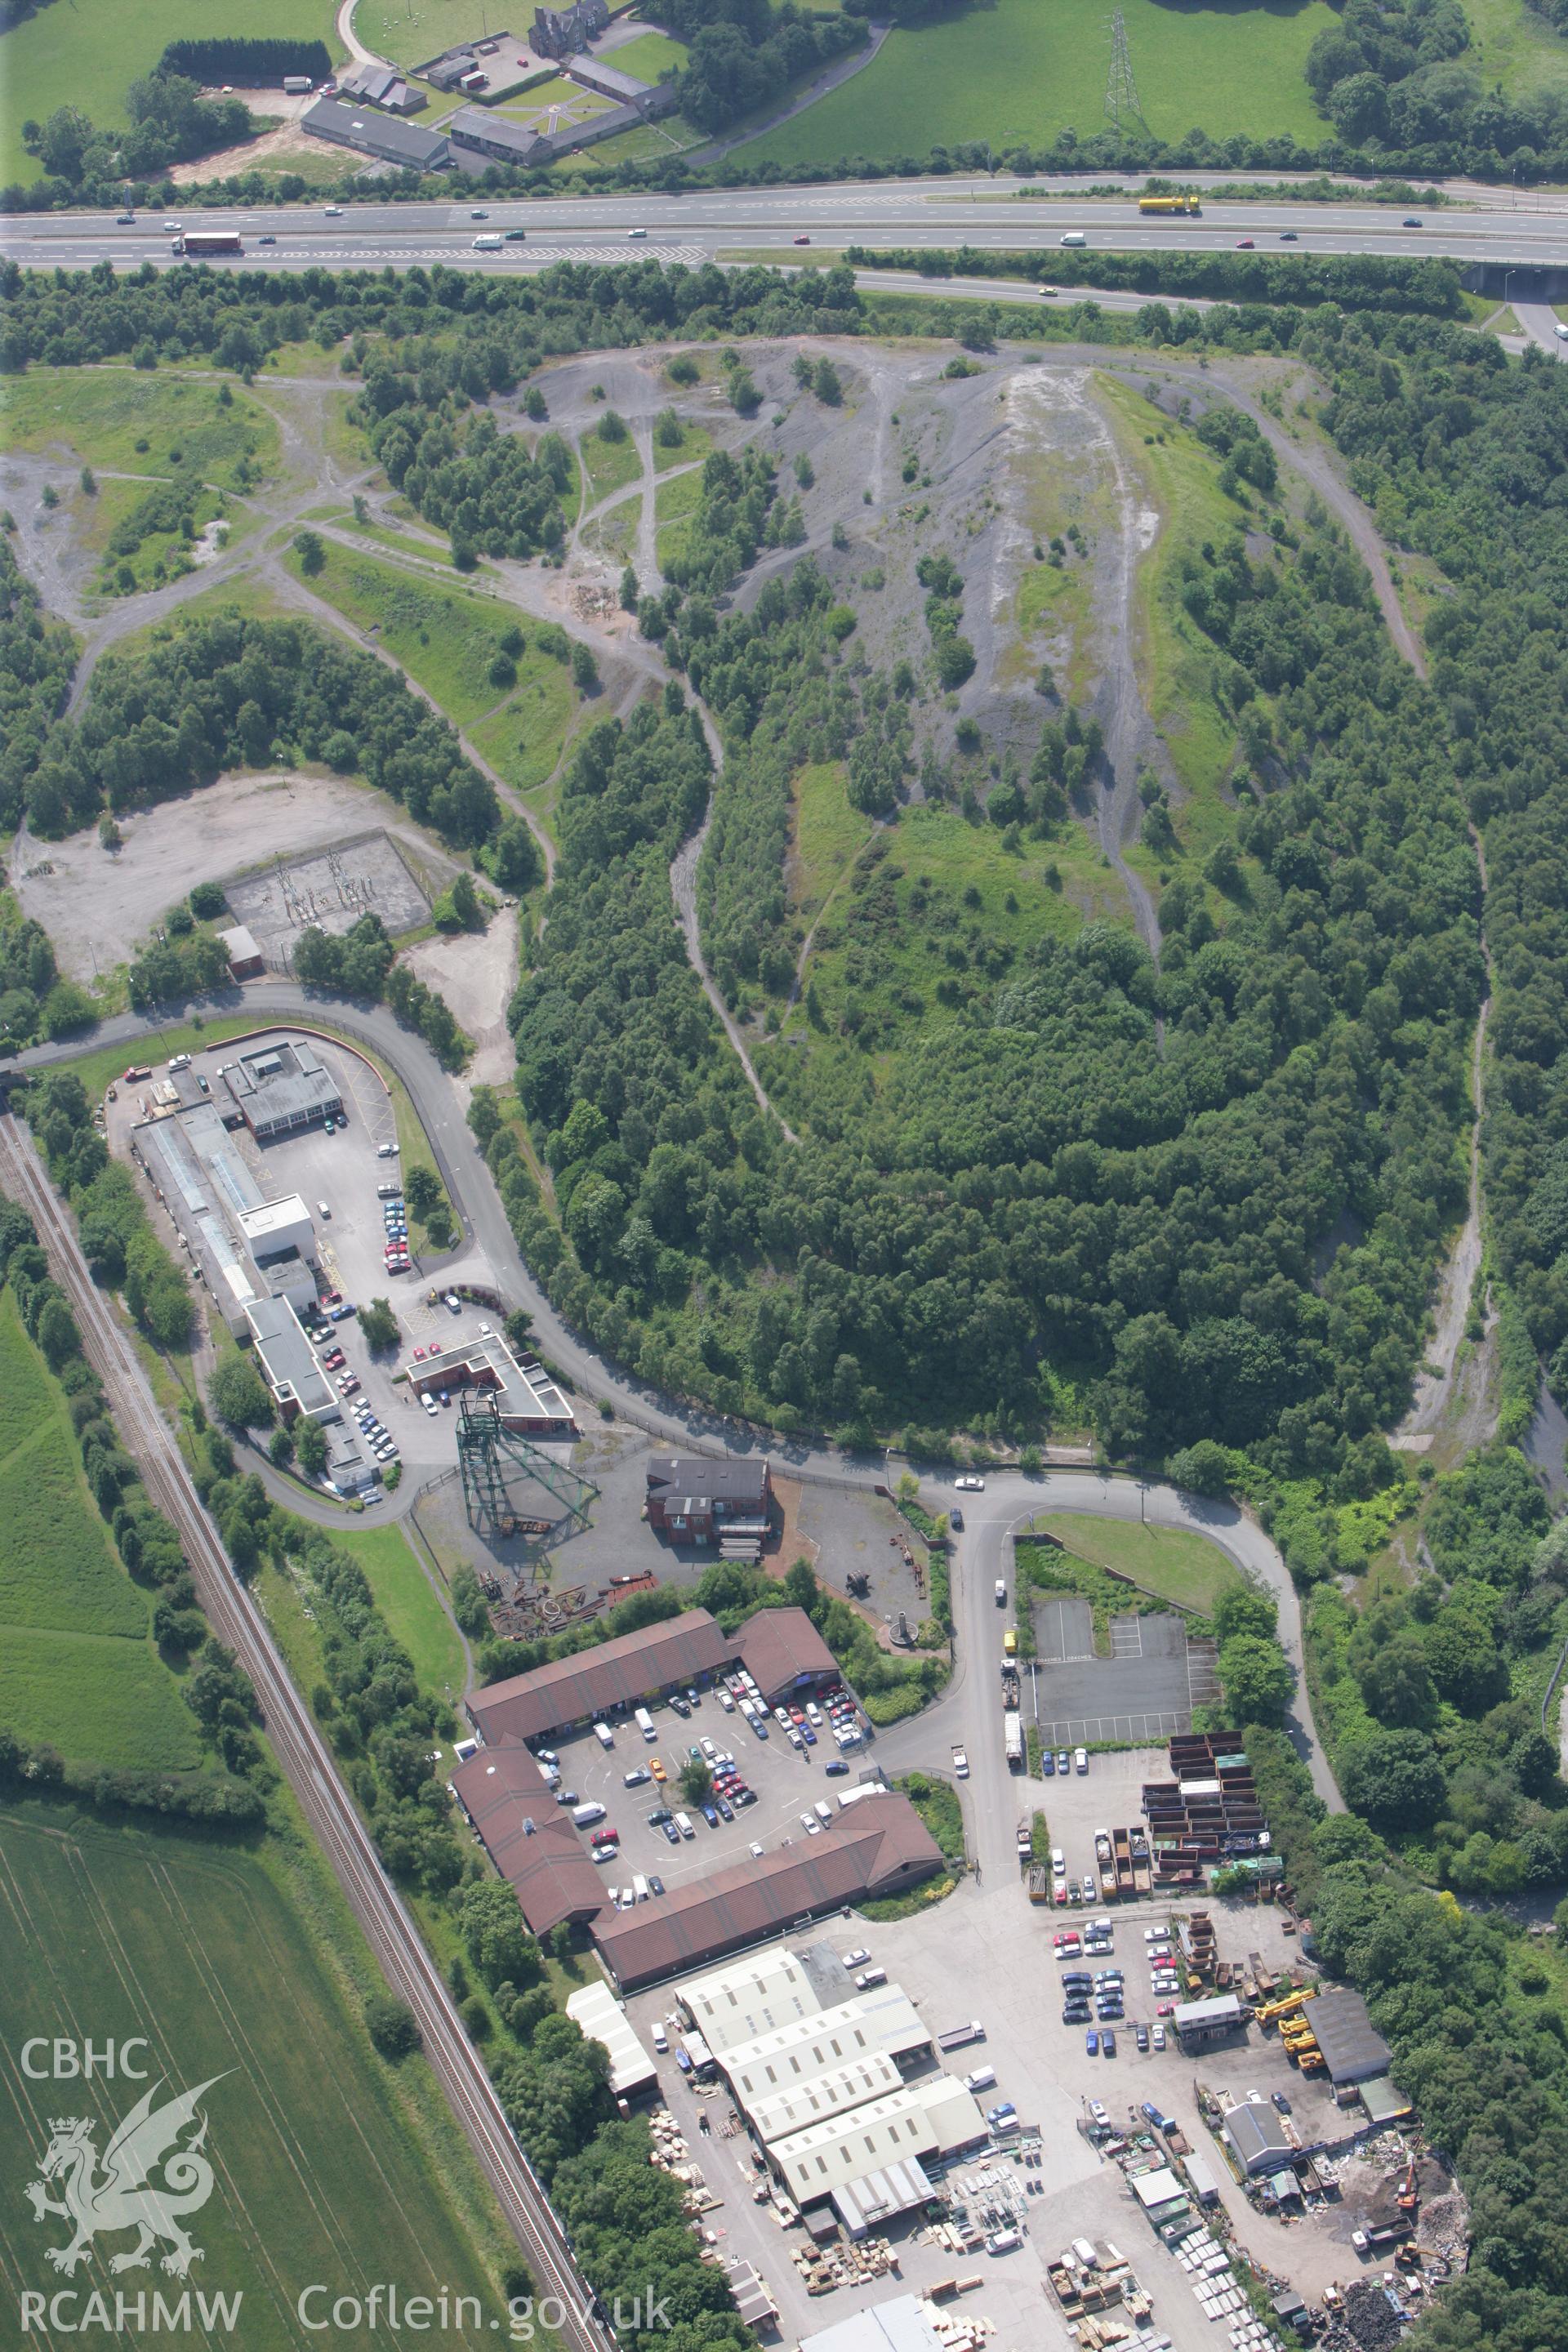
(1285, 2007)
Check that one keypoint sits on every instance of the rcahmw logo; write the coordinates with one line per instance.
(152, 2176)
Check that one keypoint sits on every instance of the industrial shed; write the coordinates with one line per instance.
(783, 1653)
(883, 2022)
(1257, 2138)
(620, 1673)
(1353, 2051)
(531, 1843)
(878, 1850)
(594, 2009)
(923, 2120)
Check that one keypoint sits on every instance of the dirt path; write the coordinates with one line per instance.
(1127, 723)
(683, 890)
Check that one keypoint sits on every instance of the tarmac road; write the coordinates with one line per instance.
(967, 1708)
(697, 228)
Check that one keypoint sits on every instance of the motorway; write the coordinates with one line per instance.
(305, 1756)
(696, 228)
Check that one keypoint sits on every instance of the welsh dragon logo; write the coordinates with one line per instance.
(121, 2193)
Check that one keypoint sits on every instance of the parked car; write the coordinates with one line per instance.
(1107, 2043)
(838, 1770)
(970, 1485)
(1092, 2042)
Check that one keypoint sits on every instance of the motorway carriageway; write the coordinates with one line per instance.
(697, 227)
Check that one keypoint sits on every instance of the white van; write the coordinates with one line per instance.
(660, 2038)
(683, 1824)
(644, 1724)
(1075, 236)
(324, 1213)
(640, 1888)
(604, 1734)
(983, 2079)
(489, 242)
(585, 1816)
(823, 1811)
(867, 1977)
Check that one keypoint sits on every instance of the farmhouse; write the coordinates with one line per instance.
(698, 1499)
(382, 136)
(378, 85)
(559, 33)
(279, 1090)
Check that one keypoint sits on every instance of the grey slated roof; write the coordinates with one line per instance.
(476, 125)
(382, 135)
(1354, 2050)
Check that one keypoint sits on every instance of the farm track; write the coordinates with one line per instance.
(306, 1759)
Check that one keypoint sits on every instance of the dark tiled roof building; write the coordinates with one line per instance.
(876, 1849)
(619, 1673)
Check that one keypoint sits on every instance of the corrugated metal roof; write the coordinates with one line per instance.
(876, 2197)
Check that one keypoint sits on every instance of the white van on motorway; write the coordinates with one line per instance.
(1075, 236)
(489, 242)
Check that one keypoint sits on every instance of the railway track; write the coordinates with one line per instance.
(307, 1760)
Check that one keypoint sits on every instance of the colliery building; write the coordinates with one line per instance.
(622, 1672)
(696, 1500)
(874, 1850)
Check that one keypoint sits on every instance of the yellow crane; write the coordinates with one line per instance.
(1287, 2007)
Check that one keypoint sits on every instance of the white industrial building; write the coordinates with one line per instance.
(932, 2119)
(250, 1251)
(599, 2016)
(745, 1997)
(903, 2325)
(884, 2022)
(818, 2097)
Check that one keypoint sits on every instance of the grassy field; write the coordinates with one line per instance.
(154, 425)
(1020, 72)
(695, 442)
(87, 53)
(77, 1662)
(323, 2173)
(407, 1599)
(649, 55)
(675, 502)
(524, 741)
(445, 638)
(827, 835)
(607, 466)
(412, 32)
(1170, 1562)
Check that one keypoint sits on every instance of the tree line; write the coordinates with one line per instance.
(225, 691)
